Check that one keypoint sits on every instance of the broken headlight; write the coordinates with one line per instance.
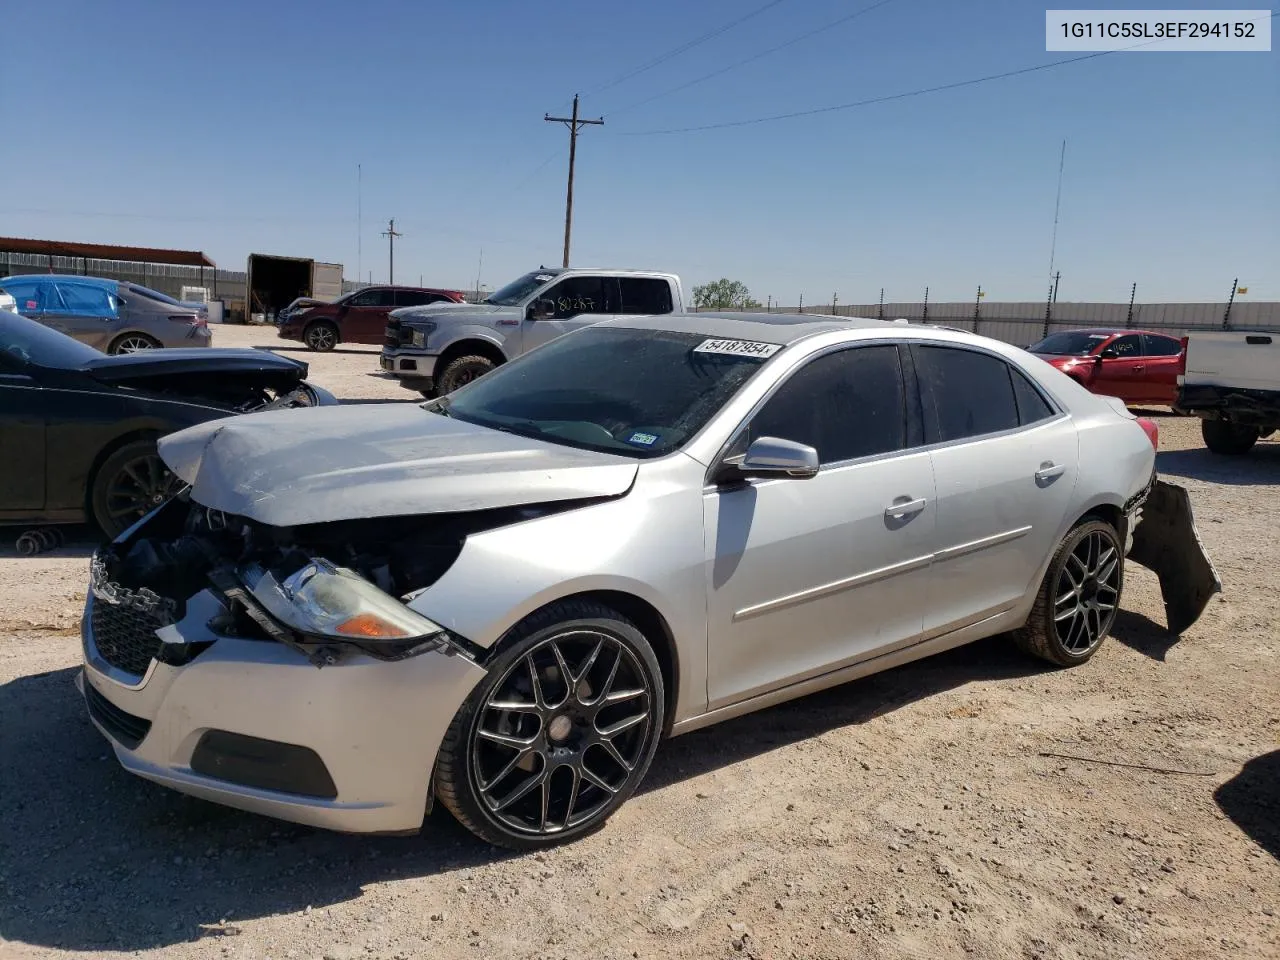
(332, 603)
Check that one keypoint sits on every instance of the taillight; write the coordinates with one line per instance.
(1151, 430)
(1182, 357)
(190, 318)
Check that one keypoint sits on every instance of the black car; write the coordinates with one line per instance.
(78, 428)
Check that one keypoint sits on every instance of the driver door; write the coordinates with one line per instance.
(805, 576)
(22, 437)
(1123, 375)
(579, 302)
(365, 319)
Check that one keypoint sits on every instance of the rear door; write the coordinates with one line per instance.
(579, 301)
(1005, 461)
(365, 317)
(1163, 358)
(1123, 375)
(88, 312)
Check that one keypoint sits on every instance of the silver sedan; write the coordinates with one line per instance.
(504, 599)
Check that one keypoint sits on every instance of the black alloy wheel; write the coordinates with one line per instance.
(560, 733)
(131, 483)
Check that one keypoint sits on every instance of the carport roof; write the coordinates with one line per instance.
(106, 251)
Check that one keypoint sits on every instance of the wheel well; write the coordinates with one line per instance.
(101, 458)
(1108, 514)
(337, 331)
(463, 348)
(655, 629)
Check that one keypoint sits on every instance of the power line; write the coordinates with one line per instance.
(754, 57)
(893, 96)
(689, 45)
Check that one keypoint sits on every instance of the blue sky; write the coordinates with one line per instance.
(237, 127)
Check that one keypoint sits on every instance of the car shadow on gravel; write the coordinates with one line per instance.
(856, 702)
(1259, 467)
(1143, 635)
(97, 859)
(315, 353)
(1252, 800)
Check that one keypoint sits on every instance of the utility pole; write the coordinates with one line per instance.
(977, 302)
(391, 233)
(925, 318)
(802, 303)
(1133, 292)
(1226, 317)
(1056, 277)
(880, 315)
(574, 125)
(833, 304)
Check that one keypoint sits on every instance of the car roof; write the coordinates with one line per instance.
(780, 328)
(1114, 332)
(75, 278)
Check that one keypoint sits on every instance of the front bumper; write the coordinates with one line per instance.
(375, 726)
(409, 364)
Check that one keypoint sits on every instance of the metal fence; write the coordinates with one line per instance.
(1024, 323)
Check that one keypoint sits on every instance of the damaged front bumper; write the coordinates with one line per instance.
(1165, 541)
(253, 724)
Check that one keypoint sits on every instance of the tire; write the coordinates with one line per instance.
(462, 370)
(321, 336)
(130, 483)
(554, 779)
(132, 343)
(1229, 439)
(1076, 605)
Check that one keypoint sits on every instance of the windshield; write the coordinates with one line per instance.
(515, 291)
(30, 342)
(640, 393)
(1069, 344)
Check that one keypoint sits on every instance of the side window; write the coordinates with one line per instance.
(85, 300)
(1158, 346)
(1032, 407)
(845, 405)
(968, 393)
(577, 295)
(373, 298)
(27, 296)
(1127, 346)
(645, 295)
(415, 298)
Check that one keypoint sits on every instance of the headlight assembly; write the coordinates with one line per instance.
(333, 604)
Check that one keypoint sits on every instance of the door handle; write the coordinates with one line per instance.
(1139, 367)
(904, 506)
(1048, 470)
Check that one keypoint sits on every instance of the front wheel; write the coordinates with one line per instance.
(462, 371)
(1076, 606)
(131, 483)
(1231, 439)
(321, 336)
(559, 734)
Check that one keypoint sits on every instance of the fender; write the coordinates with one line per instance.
(447, 334)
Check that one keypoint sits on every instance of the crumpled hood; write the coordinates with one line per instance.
(290, 467)
(483, 312)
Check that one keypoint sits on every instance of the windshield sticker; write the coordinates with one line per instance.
(543, 278)
(738, 348)
(644, 439)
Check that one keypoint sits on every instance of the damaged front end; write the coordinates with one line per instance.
(329, 590)
(1166, 542)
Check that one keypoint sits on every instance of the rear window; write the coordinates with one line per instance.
(644, 295)
(154, 295)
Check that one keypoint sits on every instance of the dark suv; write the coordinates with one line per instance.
(357, 317)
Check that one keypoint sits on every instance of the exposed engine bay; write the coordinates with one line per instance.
(240, 392)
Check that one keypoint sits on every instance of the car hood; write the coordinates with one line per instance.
(292, 467)
(484, 312)
(214, 360)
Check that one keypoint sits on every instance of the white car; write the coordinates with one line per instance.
(506, 597)
(7, 302)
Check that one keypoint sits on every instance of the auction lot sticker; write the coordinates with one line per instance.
(1177, 31)
(738, 348)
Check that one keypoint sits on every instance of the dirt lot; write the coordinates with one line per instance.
(911, 814)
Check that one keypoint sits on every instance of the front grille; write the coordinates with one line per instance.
(125, 728)
(126, 636)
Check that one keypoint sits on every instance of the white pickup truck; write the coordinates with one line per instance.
(437, 348)
(1231, 381)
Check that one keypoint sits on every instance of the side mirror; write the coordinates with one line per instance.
(774, 457)
(542, 309)
(1108, 354)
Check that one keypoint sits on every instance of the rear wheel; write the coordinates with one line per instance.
(559, 734)
(131, 483)
(461, 371)
(1076, 606)
(133, 343)
(321, 336)
(1231, 439)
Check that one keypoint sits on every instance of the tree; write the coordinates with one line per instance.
(724, 294)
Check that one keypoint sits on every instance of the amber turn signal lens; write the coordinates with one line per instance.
(369, 625)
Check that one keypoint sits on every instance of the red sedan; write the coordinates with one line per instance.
(1134, 365)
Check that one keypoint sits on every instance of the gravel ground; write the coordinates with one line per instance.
(914, 813)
